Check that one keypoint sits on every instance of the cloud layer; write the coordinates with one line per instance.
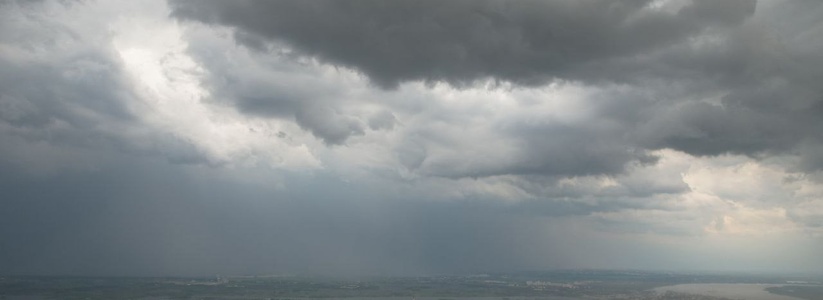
(366, 137)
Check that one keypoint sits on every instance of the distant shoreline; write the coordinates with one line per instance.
(749, 291)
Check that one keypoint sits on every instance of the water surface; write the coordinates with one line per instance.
(727, 290)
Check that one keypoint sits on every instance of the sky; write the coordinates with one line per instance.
(359, 137)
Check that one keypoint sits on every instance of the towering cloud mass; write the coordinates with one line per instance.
(408, 137)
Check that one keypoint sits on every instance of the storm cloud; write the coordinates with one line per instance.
(730, 63)
(528, 42)
(409, 137)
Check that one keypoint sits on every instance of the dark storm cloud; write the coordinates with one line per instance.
(706, 129)
(527, 42)
(769, 99)
(708, 78)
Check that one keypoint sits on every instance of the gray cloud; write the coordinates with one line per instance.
(282, 88)
(55, 89)
(706, 129)
(330, 125)
(426, 137)
(528, 42)
(67, 89)
(703, 48)
(552, 150)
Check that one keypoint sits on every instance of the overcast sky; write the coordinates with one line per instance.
(409, 137)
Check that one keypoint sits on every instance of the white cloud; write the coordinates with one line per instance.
(169, 83)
